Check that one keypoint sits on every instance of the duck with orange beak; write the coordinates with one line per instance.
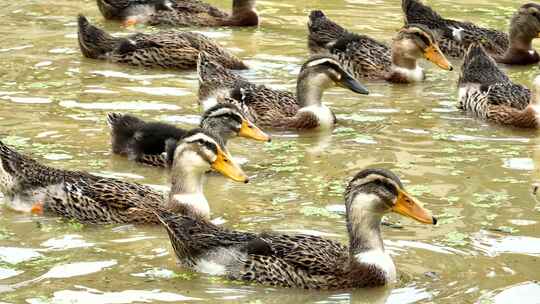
(144, 142)
(369, 58)
(303, 261)
(90, 199)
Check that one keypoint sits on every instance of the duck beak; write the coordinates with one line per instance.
(348, 82)
(225, 165)
(408, 206)
(433, 53)
(249, 130)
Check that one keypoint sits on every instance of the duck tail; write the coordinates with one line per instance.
(323, 32)
(534, 105)
(10, 159)
(479, 68)
(416, 12)
(123, 129)
(244, 13)
(94, 42)
(213, 77)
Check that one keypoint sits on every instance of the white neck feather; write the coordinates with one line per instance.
(412, 75)
(323, 113)
(195, 201)
(381, 260)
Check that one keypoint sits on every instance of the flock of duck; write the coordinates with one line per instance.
(233, 106)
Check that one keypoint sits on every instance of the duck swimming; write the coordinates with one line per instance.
(278, 109)
(303, 261)
(146, 142)
(179, 12)
(169, 50)
(487, 93)
(366, 57)
(456, 36)
(87, 198)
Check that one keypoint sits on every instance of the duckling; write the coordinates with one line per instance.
(169, 50)
(145, 142)
(366, 57)
(487, 93)
(179, 12)
(455, 36)
(31, 186)
(277, 109)
(303, 261)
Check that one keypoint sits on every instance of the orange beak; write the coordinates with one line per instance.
(225, 165)
(408, 206)
(433, 53)
(249, 130)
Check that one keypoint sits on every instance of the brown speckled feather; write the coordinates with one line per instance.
(170, 50)
(300, 261)
(487, 93)
(494, 41)
(76, 195)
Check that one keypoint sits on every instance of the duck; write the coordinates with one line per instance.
(179, 13)
(30, 186)
(455, 37)
(145, 142)
(302, 261)
(487, 93)
(165, 49)
(276, 109)
(365, 57)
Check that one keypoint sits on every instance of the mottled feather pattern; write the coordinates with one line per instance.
(266, 107)
(323, 33)
(79, 195)
(361, 55)
(495, 42)
(487, 93)
(198, 13)
(169, 50)
(300, 261)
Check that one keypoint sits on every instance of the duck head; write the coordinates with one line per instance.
(379, 191)
(415, 41)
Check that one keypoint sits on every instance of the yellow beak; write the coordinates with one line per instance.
(538, 35)
(225, 165)
(249, 130)
(408, 206)
(434, 54)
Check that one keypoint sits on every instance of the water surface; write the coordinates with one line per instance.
(475, 176)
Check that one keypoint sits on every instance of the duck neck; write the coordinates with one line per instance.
(520, 40)
(309, 91)
(364, 231)
(187, 188)
(366, 244)
(404, 69)
(520, 50)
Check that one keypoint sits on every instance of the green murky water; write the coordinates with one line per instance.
(477, 177)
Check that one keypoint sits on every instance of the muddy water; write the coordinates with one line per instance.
(477, 177)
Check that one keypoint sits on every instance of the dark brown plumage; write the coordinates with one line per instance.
(455, 37)
(369, 58)
(278, 109)
(300, 261)
(179, 12)
(169, 50)
(487, 93)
